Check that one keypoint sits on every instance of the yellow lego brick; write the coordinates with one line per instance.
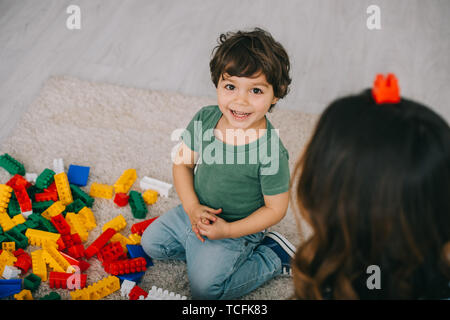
(6, 222)
(135, 238)
(38, 264)
(98, 290)
(9, 246)
(88, 218)
(118, 223)
(6, 259)
(55, 209)
(63, 188)
(99, 190)
(18, 219)
(23, 295)
(122, 239)
(150, 196)
(125, 181)
(5, 196)
(77, 226)
(55, 260)
(40, 238)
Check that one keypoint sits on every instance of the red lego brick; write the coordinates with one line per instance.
(23, 260)
(99, 243)
(46, 196)
(51, 187)
(140, 227)
(76, 251)
(84, 265)
(126, 266)
(71, 240)
(121, 199)
(58, 280)
(60, 243)
(23, 198)
(18, 181)
(136, 292)
(61, 224)
(111, 252)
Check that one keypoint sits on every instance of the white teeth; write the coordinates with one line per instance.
(240, 113)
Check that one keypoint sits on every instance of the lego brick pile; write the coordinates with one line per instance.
(52, 213)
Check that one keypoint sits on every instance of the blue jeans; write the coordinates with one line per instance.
(217, 269)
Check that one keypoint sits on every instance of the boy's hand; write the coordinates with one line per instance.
(202, 214)
(217, 230)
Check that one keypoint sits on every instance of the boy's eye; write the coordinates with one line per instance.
(229, 87)
(257, 91)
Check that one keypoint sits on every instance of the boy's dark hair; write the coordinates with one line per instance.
(244, 54)
(374, 184)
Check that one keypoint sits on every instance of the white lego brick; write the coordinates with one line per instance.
(58, 165)
(26, 214)
(10, 272)
(126, 287)
(161, 187)
(31, 177)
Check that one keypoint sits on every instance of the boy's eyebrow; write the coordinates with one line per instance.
(262, 84)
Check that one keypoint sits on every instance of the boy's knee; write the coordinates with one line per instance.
(149, 244)
(206, 288)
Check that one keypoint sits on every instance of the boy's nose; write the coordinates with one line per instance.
(241, 98)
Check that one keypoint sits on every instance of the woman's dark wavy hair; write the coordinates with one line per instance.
(244, 54)
(374, 184)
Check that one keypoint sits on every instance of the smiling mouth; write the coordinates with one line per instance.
(239, 115)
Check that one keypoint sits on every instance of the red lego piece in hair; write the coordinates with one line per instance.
(136, 292)
(140, 227)
(386, 90)
(121, 199)
(99, 243)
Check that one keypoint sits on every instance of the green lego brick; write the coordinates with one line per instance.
(51, 296)
(45, 179)
(15, 235)
(11, 165)
(40, 207)
(32, 192)
(138, 206)
(13, 206)
(75, 206)
(78, 193)
(31, 282)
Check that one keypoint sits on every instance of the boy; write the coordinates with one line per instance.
(230, 188)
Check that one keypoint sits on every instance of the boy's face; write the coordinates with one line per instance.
(245, 101)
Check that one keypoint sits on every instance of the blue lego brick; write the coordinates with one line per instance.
(136, 276)
(136, 251)
(10, 287)
(78, 175)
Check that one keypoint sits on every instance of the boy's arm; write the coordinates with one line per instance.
(271, 213)
(183, 176)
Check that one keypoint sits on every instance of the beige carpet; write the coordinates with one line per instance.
(112, 128)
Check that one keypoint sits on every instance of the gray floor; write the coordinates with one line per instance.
(166, 45)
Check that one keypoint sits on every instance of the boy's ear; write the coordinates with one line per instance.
(275, 100)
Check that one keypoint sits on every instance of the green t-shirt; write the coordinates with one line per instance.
(235, 178)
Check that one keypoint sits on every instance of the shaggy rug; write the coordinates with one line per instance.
(111, 128)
